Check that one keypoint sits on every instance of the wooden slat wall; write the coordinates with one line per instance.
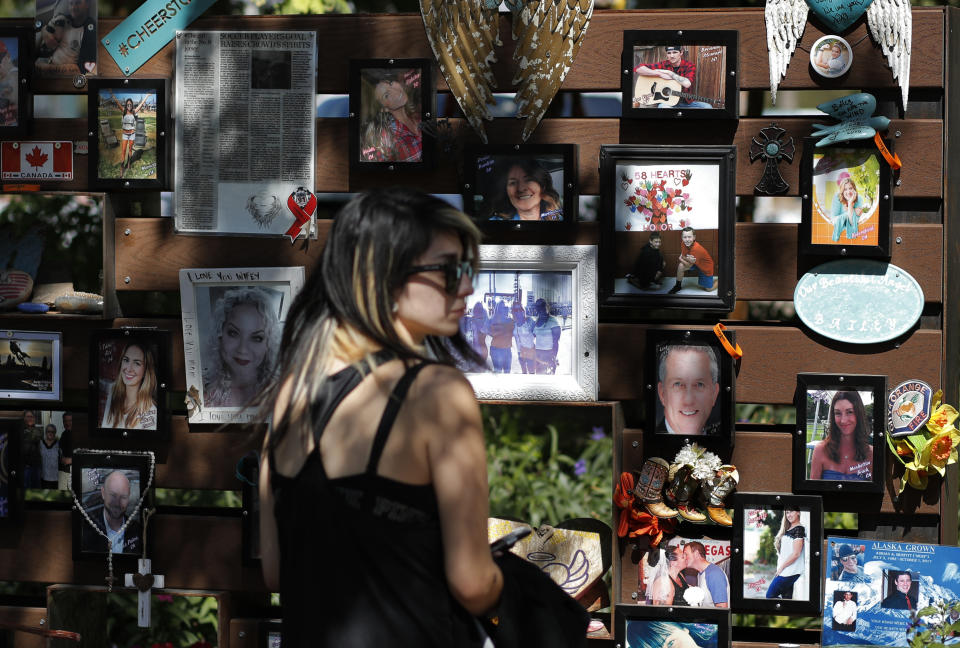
(144, 254)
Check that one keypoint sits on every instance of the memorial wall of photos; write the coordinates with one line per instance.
(233, 135)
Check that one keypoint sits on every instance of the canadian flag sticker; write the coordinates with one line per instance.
(36, 160)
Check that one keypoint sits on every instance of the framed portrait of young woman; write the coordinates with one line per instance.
(839, 444)
(16, 105)
(391, 100)
(129, 382)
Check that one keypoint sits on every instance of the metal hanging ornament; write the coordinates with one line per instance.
(770, 145)
(133, 515)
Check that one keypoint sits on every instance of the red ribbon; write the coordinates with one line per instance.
(301, 214)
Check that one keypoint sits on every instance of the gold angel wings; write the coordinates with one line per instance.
(464, 35)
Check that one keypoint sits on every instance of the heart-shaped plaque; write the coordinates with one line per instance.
(838, 14)
(143, 582)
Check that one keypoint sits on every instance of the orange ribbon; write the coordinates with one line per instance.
(634, 522)
(735, 351)
(892, 158)
(652, 526)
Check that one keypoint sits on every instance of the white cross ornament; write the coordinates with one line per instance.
(144, 582)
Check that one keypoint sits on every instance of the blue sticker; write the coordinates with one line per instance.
(148, 29)
(859, 301)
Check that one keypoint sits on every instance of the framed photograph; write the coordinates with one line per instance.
(46, 447)
(532, 318)
(667, 226)
(390, 102)
(127, 132)
(232, 322)
(671, 74)
(776, 557)
(16, 105)
(684, 570)
(66, 42)
(31, 365)
(129, 378)
(638, 626)
(269, 633)
(109, 486)
(690, 390)
(11, 470)
(532, 186)
(846, 191)
(839, 445)
(873, 588)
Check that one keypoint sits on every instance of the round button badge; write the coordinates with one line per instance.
(831, 56)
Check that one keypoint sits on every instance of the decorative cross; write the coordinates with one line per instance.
(144, 581)
(769, 144)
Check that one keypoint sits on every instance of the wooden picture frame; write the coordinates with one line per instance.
(113, 164)
(92, 476)
(36, 358)
(825, 230)
(667, 192)
(697, 392)
(562, 277)
(490, 172)
(755, 514)
(650, 625)
(656, 71)
(867, 400)
(369, 119)
(208, 296)
(16, 64)
(119, 358)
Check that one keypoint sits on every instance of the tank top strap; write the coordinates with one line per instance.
(390, 415)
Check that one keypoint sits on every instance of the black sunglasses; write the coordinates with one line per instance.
(452, 272)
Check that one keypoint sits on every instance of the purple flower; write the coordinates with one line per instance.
(580, 467)
(598, 434)
(164, 598)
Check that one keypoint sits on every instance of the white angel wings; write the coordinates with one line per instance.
(463, 35)
(890, 23)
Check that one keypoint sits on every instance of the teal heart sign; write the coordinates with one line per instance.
(838, 14)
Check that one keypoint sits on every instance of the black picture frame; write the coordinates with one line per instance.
(716, 73)
(268, 633)
(814, 386)
(90, 469)
(485, 170)
(719, 423)
(815, 238)
(363, 74)
(11, 471)
(811, 512)
(659, 621)
(669, 173)
(106, 141)
(16, 104)
(107, 352)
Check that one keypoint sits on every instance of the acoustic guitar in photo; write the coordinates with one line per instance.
(652, 91)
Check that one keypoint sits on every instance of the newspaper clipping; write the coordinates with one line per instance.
(245, 131)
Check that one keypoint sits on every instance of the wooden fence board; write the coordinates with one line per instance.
(597, 67)
(766, 254)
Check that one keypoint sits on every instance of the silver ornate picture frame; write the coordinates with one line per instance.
(524, 296)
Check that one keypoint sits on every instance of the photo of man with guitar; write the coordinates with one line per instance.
(672, 83)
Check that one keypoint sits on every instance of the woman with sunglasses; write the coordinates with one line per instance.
(373, 482)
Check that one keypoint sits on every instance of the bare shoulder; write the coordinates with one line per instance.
(443, 394)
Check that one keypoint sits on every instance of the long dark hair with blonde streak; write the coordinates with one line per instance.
(344, 310)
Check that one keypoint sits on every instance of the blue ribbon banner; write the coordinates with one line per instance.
(145, 32)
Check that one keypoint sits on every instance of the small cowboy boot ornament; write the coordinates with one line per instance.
(649, 487)
(715, 490)
(679, 493)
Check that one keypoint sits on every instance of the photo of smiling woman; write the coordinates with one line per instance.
(244, 343)
(128, 385)
(839, 426)
(524, 190)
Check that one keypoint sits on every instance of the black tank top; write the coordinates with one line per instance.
(361, 557)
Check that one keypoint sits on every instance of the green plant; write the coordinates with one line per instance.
(177, 621)
(547, 476)
(934, 624)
